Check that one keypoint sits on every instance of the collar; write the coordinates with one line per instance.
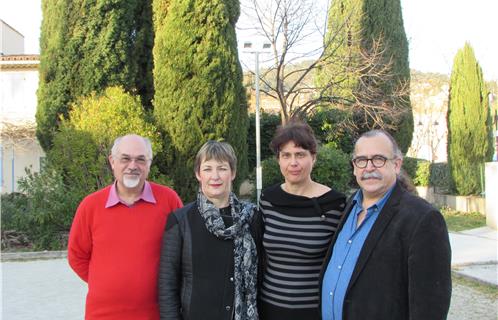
(146, 195)
(358, 198)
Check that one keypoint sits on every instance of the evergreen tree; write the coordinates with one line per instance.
(87, 46)
(368, 51)
(470, 142)
(198, 85)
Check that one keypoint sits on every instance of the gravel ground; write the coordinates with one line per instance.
(468, 303)
(49, 290)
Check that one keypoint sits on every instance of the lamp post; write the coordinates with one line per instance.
(259, 172)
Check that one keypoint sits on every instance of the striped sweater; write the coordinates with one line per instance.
(298, 231)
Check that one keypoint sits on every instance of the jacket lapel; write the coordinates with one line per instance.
(380, 225)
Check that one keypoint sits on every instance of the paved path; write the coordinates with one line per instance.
(474, 254)
(49, 290)
(41, 290)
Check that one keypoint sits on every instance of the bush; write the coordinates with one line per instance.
(423, 174)
(329, 126)
(271, 172)
(77, 164)
(441, 177)
(268, 125)
(332, 169)
(418, 170)
(45, 209)
(14, 208)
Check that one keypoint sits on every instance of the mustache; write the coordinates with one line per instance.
(371, 175)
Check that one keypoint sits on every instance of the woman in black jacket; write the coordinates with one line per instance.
(208, 267)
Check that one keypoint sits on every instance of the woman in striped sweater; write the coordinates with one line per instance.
(300, 217)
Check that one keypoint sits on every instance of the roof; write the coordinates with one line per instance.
(19, 61)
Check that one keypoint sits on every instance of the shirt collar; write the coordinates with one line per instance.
(146, 195)
(379, 204)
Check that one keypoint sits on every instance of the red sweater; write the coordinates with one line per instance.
(116, 250)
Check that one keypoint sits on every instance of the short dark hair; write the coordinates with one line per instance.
(297, 131)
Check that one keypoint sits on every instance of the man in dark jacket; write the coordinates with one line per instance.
(391, 257)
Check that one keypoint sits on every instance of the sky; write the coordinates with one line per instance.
(435, 29)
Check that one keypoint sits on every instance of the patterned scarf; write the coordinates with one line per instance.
(245, 254)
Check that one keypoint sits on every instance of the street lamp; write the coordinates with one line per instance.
(265, 48)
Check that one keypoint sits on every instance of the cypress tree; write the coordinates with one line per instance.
(354, 27)
(87, 46)
(470, 142)
(198, 85)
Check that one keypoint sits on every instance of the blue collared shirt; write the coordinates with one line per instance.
(347, 249)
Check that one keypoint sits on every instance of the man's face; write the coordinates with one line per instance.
(373, 181)
(131, 164)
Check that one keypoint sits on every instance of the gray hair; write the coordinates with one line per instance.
(220, 151)
(148, 145)
(377, 132)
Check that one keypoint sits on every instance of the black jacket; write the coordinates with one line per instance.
(195, 279)
(404, 267)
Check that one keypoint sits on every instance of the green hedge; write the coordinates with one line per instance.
(425, 173)
(419, 170)
(440, 177)
(332, 169)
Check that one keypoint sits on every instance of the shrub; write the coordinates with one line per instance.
(440, 177)
(268, 125)
(271, 172)
(332, 169)
(14, 211)
(77, 164)
(329, 126)
(423, 174)
(50, 205)
(419, 170)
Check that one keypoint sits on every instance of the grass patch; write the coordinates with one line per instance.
(459, 221)
(488, 290)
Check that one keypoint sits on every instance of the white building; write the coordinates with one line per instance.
(19, 148)
(11, 40)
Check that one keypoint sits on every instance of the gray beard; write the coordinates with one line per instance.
(130, 182)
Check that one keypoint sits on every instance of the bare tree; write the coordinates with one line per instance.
(296, 31)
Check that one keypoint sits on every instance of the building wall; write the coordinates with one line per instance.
(15, 158)
(18, 94)
(19, 148)
(11, 41)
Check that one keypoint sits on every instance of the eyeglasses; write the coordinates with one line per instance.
(138, 160)
(378, 161)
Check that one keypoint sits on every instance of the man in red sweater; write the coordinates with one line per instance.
(115, 240)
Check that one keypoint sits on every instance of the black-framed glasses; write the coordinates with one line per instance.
(377, 161)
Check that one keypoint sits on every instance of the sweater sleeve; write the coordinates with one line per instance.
(169, 277)
(79, 249)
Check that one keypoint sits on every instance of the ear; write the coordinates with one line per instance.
(198, 176)
(397, 165)
(234, 173)
(111, 161)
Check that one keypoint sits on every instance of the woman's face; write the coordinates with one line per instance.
(215, 178)
(295, 163)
